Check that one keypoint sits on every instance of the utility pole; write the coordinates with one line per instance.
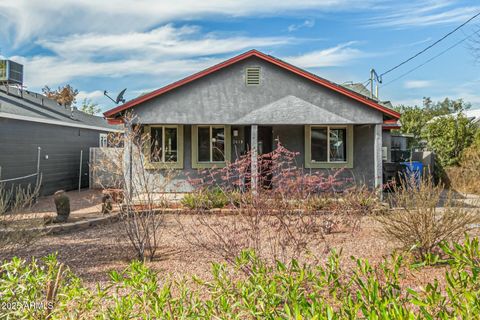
(374, 77)
(372, 73)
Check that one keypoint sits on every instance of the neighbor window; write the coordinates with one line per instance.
(103, 140)
(165, 145)
(211, 145)
(328, 146)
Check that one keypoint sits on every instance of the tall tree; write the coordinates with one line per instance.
(66, 95)
(414, 119)
(448, 136)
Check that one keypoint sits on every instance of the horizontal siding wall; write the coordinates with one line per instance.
(19, 142)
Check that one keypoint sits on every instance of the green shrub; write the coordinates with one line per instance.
(448, 136)
(194, 200)
(210, 198)
(41, 289)
(265, 291)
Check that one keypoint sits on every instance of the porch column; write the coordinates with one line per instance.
(127, 160)
(378, 158)
(254, 158)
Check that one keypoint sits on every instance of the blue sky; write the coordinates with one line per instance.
(143, 45)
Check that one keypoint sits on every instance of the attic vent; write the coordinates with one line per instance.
(252, 76)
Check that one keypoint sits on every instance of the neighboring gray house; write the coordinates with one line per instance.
(209, 118)
(29, 121)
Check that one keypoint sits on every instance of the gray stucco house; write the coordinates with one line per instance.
(213, 116)
(39, 135)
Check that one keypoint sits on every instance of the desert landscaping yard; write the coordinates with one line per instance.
(318, 242)
(91, 253)
(188, 243)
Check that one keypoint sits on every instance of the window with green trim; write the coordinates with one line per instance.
(328, 146)
(165, 146)
(210, 145)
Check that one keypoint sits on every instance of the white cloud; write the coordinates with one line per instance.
(417, 84)
(309, 23)
(34, 18)
(46, 70)
(163, 42)
(92, 95)
(54, 70)
(330, 57)
(467, 91)
(422, 13)
(166, 50)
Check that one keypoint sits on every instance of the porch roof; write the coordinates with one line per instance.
(291, 110)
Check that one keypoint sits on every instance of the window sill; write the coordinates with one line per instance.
(208, 165)
(329, 165)
(163, 165)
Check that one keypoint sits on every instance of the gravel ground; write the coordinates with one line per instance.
(91, 253)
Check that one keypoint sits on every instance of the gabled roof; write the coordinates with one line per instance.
(110, 114)
(291, 110)
(30, 106)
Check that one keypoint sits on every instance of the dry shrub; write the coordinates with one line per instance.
(423, 215)
(466, 177)
(18, 228)
(288, 216)
(141, 209)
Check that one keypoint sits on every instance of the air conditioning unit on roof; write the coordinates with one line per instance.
(11, 72)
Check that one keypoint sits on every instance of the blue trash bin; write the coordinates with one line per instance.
(413, 171)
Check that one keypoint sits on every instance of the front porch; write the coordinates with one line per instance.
(189, 150)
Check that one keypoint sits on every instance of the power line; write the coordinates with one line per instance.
(432, 58)
(430, 46)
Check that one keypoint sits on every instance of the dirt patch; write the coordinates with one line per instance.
(83, 204)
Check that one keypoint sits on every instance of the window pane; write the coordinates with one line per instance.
(156, 144)
(218, 144)
(338, 144)
(319, 144)
(170, 144)
(204, 144)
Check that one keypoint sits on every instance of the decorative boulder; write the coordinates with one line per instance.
(62, 204)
